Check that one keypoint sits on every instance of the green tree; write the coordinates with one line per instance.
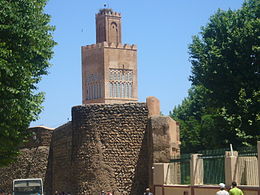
(225, 63)
(25, 50)
(201, 126)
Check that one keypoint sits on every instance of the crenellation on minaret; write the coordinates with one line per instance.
(108, 11)
(111, 45)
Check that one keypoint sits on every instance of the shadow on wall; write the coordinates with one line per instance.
(144, 164)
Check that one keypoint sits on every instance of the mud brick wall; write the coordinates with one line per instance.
(110, 148)
(32, 161)
(60, 155)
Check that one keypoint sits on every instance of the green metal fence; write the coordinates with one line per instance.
(213, 166)
(247, 151)
(183, 161)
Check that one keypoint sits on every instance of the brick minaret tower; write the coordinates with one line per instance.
(109, 68)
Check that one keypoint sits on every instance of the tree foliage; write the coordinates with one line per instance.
(225, 66)
(25, 48)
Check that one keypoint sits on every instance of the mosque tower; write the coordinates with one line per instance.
(109, 68)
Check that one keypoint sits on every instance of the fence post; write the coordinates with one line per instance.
(230, 166)
(196, 169)
(258, 161)
(160, 173)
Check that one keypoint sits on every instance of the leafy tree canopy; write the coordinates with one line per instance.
(226, 68)
(25, 50)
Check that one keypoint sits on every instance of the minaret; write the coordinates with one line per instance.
(109, 68)
(108, 26)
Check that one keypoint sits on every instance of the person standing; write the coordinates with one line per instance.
(147, 192)
(222, 190)
(235, 190)
(2, 192)
(56, 193)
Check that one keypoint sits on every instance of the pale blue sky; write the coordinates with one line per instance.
(162, 30)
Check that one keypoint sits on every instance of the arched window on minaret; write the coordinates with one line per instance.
(89, 92)
(112, 90)
(115, 89)
(95, 89)
(121, 90)
(118, 76)
(93, 92)
(127, 90)
(130, 90)
(113, 33)
(97, 84)
(118, 89)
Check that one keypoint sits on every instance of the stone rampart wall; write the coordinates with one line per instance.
(32, 161)
(40, 136)
(109, 148)
(61, 159)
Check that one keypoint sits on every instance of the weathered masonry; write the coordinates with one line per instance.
(107, 147)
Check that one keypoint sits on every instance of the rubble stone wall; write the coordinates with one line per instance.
(32, 161)
(109, 148)
(61, 159)
(40, 136)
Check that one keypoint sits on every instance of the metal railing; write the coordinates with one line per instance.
(179, 170)
(213, 163)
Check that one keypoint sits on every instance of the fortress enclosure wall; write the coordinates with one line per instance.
(32, 161)
(60, 157)
(109, 148)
